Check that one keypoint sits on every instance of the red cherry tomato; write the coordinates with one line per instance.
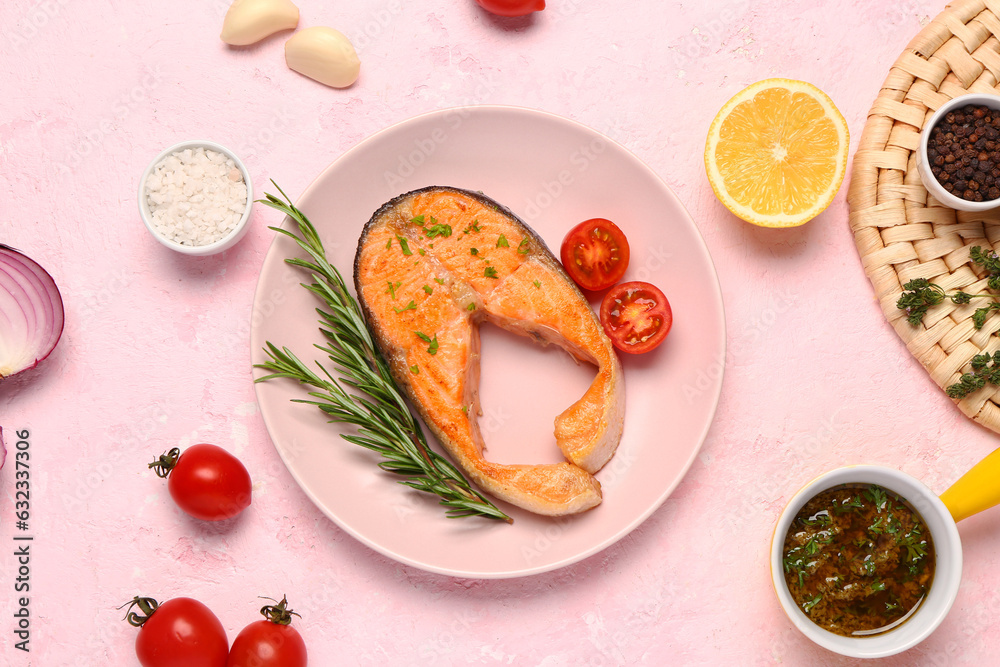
(595, 254)
(636, 316)
(269, 643)
(178, 633)
(206, 481)
(512, 7)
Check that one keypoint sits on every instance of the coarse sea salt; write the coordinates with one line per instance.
(196, 196)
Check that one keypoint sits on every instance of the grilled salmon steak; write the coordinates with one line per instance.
(433, 264)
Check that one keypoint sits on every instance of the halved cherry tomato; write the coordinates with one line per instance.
(178, 633)
(270, 643)
(205, 481)
(595, 254)
(512, 7)
(636, 316)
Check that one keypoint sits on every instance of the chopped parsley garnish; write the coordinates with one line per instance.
(848, 506)
(418, 219)
(877, 495)
(490, 272)
(439, 281)
(473, 251)
(415, 369)
(392, 288)
(404, 245)
(796, 563)
(916, 547)
(522, 247)
(437, 229)
(822, 518)
(807, 607)
(474, 227)
(388, 244)
(538, 284)
(410, 306)
(502, 242)
(428, 289)
(421, 251)
(815, 543)
(471, 307)
(432, 342)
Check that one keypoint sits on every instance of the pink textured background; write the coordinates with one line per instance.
(155, 351)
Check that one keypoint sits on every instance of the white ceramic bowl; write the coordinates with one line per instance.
(947, 570)
(930, 182)
(225, 242)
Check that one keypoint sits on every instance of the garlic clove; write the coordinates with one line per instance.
(323, 54)
(249, 21)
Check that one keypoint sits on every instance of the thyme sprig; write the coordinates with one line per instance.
(920, 294)
(990, 262)
(384, 423)
(985, 368)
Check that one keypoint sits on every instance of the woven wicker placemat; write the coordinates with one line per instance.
(902, 232)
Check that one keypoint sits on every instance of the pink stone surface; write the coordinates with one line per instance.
(156, 347)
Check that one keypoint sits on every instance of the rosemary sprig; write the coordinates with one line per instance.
(384, 422)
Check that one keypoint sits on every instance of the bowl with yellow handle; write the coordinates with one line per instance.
(866, 560)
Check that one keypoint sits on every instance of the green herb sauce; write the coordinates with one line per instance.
(858, 560)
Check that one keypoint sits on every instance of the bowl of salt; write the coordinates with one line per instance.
(195, 197)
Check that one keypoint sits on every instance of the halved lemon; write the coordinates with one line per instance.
(777, 152)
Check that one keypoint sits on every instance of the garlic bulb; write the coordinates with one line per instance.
(323, 54)
(249, 21)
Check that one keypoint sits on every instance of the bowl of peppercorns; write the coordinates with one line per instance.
(959, 157)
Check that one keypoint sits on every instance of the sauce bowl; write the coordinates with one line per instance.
(977, 490)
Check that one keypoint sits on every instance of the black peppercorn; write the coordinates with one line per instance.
(964, 153)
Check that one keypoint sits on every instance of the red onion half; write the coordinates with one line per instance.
(31, 312)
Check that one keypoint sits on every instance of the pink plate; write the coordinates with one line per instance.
(553, 173)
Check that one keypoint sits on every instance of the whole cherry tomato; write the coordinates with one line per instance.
(595, 254)
(205, 481)
(178, 633)
(269, 643)
(636, 316)
(512, 7)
